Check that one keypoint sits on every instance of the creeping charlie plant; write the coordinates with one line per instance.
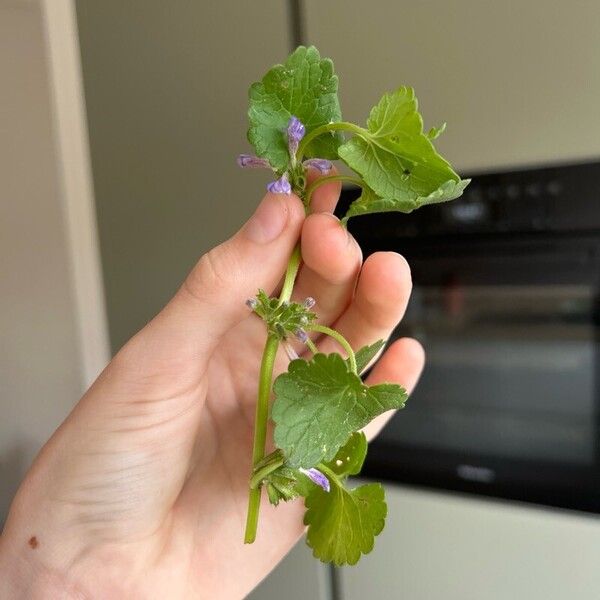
(321, 403)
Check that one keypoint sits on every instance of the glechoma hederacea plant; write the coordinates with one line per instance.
(321, 403)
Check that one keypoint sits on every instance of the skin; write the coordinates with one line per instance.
(142, 491)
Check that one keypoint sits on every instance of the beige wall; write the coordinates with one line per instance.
(166, 91)
(517, 81)
(40, 360)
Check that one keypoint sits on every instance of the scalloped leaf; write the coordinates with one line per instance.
(304, 86)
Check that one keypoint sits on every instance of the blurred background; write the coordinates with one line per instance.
(120, 122)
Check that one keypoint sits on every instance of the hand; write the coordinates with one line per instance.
(142, 491)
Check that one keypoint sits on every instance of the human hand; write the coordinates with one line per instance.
(142, 491)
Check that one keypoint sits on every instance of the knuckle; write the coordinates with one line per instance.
(210, 276)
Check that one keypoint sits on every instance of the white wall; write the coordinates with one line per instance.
(51, 345)
(166, 88)
(518, 81)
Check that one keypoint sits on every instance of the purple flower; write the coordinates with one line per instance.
(280, 186)
(323, 165)
(309, 302)
(249, 161)
(291, 353)
(302, 335)
(252, 303)
(316, 477)
(295, 132)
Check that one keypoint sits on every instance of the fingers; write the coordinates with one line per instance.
(381, 297)
(380, 300)
(379, 303)
(402, 363)
(332, 260)
(326, 196)
(331, 256)
(212, 298)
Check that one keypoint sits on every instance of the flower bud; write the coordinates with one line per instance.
(295, 132)
(302, 335)
(252, 303)
(249, 161)
(316, 477)
(309, 302)
(321, 164)
(291, 353)
(280, 186)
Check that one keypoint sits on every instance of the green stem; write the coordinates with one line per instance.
(290, 274)
(323, 180)
(315, 133)
(260, 430)
(264, 394)
(311, 346)
(270, 351)
(340, 339)
(268, 460)
(264, 472)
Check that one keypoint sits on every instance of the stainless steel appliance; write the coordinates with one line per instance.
(506, 303)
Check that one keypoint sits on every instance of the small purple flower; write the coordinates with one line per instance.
(295, 132)
(252, 303)
(280, 186)
(316, 477)
(249, 161)
(321, 164)
(302, 335)
(309, 302)
(291, 353)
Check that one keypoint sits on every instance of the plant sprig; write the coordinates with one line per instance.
(321, 403)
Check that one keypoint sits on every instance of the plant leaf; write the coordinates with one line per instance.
(366, 354)
(319, 403)
(304, 86)
(435, 132)
(397, 160)
(350, 457)
(342, 524)
(369, 202)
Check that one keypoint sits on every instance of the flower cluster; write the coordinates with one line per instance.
(284, 318)
(285, 483)
(295, 132)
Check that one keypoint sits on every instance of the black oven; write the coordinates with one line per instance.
(506, 303)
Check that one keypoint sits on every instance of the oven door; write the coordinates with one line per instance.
(507, 404)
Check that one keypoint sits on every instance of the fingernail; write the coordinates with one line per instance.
(269, 220)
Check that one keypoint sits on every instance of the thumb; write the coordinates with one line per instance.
(212, 298)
